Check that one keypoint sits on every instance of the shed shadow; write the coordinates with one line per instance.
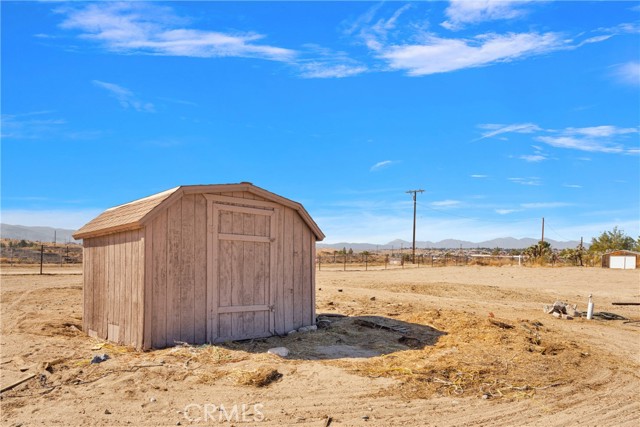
(340, 337)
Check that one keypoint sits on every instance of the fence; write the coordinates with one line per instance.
(360, 261)
(41, 254)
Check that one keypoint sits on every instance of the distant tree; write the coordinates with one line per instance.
(539, 251)
(637, 245)
(350, 251)
(611, 241)
(23, 244)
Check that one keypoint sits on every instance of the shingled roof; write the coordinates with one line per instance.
(133, 215)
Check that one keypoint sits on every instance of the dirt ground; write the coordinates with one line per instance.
(444, 346)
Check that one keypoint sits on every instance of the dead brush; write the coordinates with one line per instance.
(479, 358)
(260, 377)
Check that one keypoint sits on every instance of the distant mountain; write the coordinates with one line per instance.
(37, 234)
(502, 243)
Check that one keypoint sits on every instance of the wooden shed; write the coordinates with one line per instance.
(622, 259)
(199, 264)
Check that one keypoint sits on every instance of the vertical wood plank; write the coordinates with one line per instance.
(139, 309)
(313, 278)
(89, 285)
(135, 278)
(159, 312)
(307, 286)
(103, 288)
(120, 272)
(297, 271)
(147, 296)
(212, 271)
(200, 291)
(174, 241)
(278, 285)
(187, 302)
(127, 287)
(248, 273)
(288, 271)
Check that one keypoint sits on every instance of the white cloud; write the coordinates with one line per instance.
(440, 55)
(628, 73)
(532, 181)
(572, 185)
(445, 203)
(144, 28)
(603, 139)
(462, 12)
(381, 165)
(506, 211)
(545, 205)
(323, 69)
(478, 176)
(498, 129)
(533, 158)
(125, 97)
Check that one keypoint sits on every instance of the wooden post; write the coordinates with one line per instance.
(41, 257)
(344, 267)
(366, 266)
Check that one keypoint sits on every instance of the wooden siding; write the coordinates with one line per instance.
(114, 286)
(178, 297)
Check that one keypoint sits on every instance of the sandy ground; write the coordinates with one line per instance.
(450, 346)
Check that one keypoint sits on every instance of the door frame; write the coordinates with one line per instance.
(215, 203)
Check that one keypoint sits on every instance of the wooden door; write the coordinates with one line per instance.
(241, 269)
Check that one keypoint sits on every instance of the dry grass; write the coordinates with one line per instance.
(481, 357)
(260, 377)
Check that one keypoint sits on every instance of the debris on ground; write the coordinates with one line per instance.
(562, 310)
(279, 351)
(99, 358)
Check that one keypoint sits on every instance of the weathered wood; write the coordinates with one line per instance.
(244, 238)
(243, 308)
(147, 286)
(174, 239)
(17, 383)
(200, 266)
(297, 272)
(307, 284)
(187, 273)
(288, 279)
(159, 288)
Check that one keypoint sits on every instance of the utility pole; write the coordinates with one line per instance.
(542, 240)
(414, 193)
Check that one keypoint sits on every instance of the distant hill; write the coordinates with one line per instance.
(36, 234)
(502, 243)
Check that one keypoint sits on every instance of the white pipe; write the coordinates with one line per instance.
(590, 309)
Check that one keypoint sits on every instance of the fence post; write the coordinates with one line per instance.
(344, 267)
(41, 257)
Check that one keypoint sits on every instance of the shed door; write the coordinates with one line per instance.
(623, 262)
(241, 268)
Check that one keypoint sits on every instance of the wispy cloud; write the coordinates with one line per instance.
(478, 176)
(32, 125)
(545, 205)
(381, 165)
(603, 139)
(445, 203)
(464, 12)
(533, 181)
(572, 185)
(628, 73)
(492, 129)
(144, 28)
(125, 97)
(506, 211)
(440, 55)
(320, 62)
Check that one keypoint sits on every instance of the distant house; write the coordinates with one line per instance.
(626, 260)
(199, 264)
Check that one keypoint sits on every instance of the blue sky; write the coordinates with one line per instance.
(504, 112)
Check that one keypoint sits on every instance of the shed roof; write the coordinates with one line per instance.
(133, 215)
(622, 252)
